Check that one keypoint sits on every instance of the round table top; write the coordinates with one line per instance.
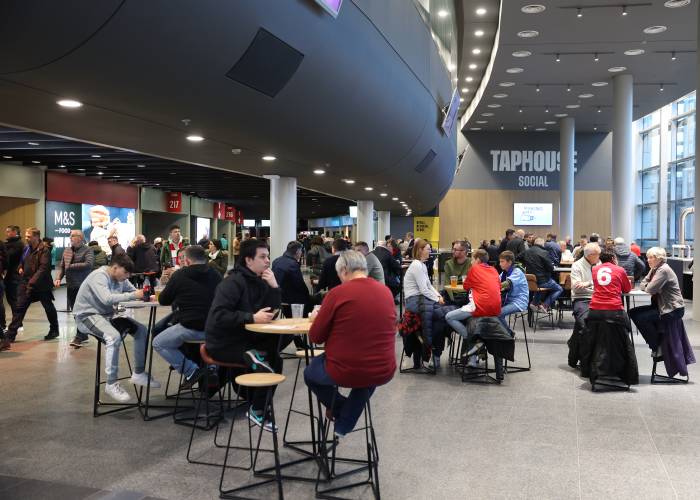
(458, 288)
(636, 291)
(136, 304)
(287, 326)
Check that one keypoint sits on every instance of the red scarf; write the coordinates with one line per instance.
(173, 251)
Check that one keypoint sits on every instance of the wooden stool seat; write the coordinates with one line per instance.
(211, 361)
(260, 379)
(314, 354)
(194, 341)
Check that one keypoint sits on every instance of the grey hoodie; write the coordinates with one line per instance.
(99, 293)
(632, 264)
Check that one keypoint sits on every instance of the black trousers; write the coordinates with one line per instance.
(24, 300)
(72, 293)
(10, 291)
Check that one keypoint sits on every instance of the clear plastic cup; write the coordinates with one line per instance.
(297, 310)
(453, 281)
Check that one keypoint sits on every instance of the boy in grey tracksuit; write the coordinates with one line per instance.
(94, 311)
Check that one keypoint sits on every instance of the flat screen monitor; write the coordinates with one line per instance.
(353, 212)
(248, 222)
(203, 228)
(265, 223)
(532, 214)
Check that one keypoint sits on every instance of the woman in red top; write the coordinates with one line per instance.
(358, 325)
(609, 283)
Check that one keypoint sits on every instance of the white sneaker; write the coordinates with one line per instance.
(116, 392)
(473, 361)
(142, 379)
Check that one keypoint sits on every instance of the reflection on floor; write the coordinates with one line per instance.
(541, 434)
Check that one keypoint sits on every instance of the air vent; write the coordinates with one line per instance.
(267, 65)
(425, 162)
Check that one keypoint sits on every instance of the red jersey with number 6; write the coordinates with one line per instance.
(609, 283)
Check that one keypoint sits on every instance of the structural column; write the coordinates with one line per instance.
(383, 224)
(566, 178)
(622, 164)
(283, 213)
(365, 222)
(696, 216)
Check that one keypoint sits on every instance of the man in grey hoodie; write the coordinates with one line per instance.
(94, 312)
(632, 264)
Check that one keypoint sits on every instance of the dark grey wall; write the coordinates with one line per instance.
(530, 161)
(400, 226)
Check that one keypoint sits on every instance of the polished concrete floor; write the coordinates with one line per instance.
(541, 434)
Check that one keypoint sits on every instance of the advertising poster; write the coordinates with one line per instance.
(100, 222)
(61, 218)
(427, 228)
(203, 228)
(532, 214)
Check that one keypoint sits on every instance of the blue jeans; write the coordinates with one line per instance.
(507, 310)
(168, 343)
(555, 290)
(346, 409)
(456, 320)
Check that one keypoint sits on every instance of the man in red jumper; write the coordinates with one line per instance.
(357, 322)
(609, 283)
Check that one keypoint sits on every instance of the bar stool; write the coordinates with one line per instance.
(521, 316)
(371, 463)
(300, 355)
(256, 381)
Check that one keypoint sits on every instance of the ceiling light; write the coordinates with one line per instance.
(537, 88)
(269, 158)
(557, 58)
(520, 110)
(654, 30)
(568, 87)
(195, 138)
(383, 195)
(634, 52)
(472, 66)
(480, 11)
(514, 71)
(443, 13)
(95, 156)
(550, 123)
(131, 179)
(394, 199)
(141, 166)
(502, 127)
(469, 79)
(494, 106)
(617, 69)
(500, 96)
(7, 157)
(532, 9)
(673, 56)
(674, 4)
(479, 33)
(69, 103)
(595, 128)
(524, 127)
(33, 143)
(661, 87)
(540, 129)
(451, 67)
(461, 99)
(61, 166)
(348, 181)
(573, 106)
(100, 173)
(599, 84)
(369, 188)
(506, 84)
(528, 33)
(236, 151)
(36, 162)
(561, 115)
(595, 57)
(116, 176)
(624, 10)
(481, 122)
(81, 170)
(319, 171)
(465, 90)
(475, 129)
(476, 51)
(546, 110)
(157, 184)
(579, 13)
(599, 110)
(522, 53)
(487, 114)
(585, 96)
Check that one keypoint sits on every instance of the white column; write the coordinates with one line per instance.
(383, 224)
(40, 206)
(696, 216)
(365, 224)
(283, 213)
(214, 229)
(622, 164)
(566, 178)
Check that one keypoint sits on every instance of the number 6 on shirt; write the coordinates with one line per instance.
(604, 276)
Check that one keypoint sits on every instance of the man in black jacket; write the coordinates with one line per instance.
(290, 279)
(250, 294)
(391, 267)
(517, 243)
(114, 245)
(76, 263)
(190, 291)
(13, 252)
(538, 262)
(36, 284)
(329, 276)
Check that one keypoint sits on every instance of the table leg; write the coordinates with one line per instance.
(149, 354)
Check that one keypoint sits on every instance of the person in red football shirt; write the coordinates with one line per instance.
(609, 283)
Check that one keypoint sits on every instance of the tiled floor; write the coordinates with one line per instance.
(541, 434)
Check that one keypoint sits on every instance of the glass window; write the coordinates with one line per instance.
(674, 218)
(684, 105)
(650, 186)
(651, 120)
(651, 149)
(649, 221)
(685, 137)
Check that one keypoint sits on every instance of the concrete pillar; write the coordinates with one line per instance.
(567, 147)
(365, 222)
(214, 229)
(622, 164)
(696, 216)
(283, 213)
(40, 206)
(383, 224)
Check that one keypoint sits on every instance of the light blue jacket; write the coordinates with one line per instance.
(518, 293)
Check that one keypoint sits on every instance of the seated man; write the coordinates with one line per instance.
(581, 293)
(249, 294)
(513, 286)
(190, 291)
(102, 290)
(329, 278)
(538, 262)
(290, 279)
(357, 357)
(459, 266)
(374, 267)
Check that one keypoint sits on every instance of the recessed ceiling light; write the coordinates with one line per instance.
(33, 143)
(595, 128)
(479, 33)
(674, 4)
(269, 158)
(475, 128)
(236, 151)
(585, 96)
(476, 51)
(81, 170)
(481, 11)
(506, 84)
(61, 166)
(69, 103)
(494, 105)
(465, 90)
(514, 71)
(369, 188)
(617, 69)
(573, 106)
(500, 96)
(443, 13)
(634, 52)
(349, 181)
(461, 99)
(532, 9)
(394, 199)
(481, 122)
(561, 115)
(100, 173)
(528, 33)
(7, 157)
(654, 30)
(157, 184)
(116, 176)
(95, 156)
(131, 179)
(195, 138)
(141, 166)
(550, 123)
(599, 84)
(451, 67)
(469, 79)
(383, 195)
(319, 171)
(540, 129)
(472, 66)
(486, 114)
(36, 162)
(522, 53)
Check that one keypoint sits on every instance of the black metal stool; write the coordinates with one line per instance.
(301, 356)
(371, 463)
(515, 316)
(657, 378)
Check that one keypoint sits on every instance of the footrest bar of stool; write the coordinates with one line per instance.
(231, 493)
(612, 387)
(327, 494)
(266, 472)
(665, 379)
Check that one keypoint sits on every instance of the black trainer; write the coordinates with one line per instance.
(188, 382)
(51, 335)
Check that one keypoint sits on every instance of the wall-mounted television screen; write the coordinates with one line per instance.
(532, 214)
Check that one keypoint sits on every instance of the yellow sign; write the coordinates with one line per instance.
(427, 228)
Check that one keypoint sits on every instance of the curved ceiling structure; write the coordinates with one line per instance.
(359, 97)
(558, 58)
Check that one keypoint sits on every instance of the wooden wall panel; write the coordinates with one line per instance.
(485, 214)
(17, 211)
